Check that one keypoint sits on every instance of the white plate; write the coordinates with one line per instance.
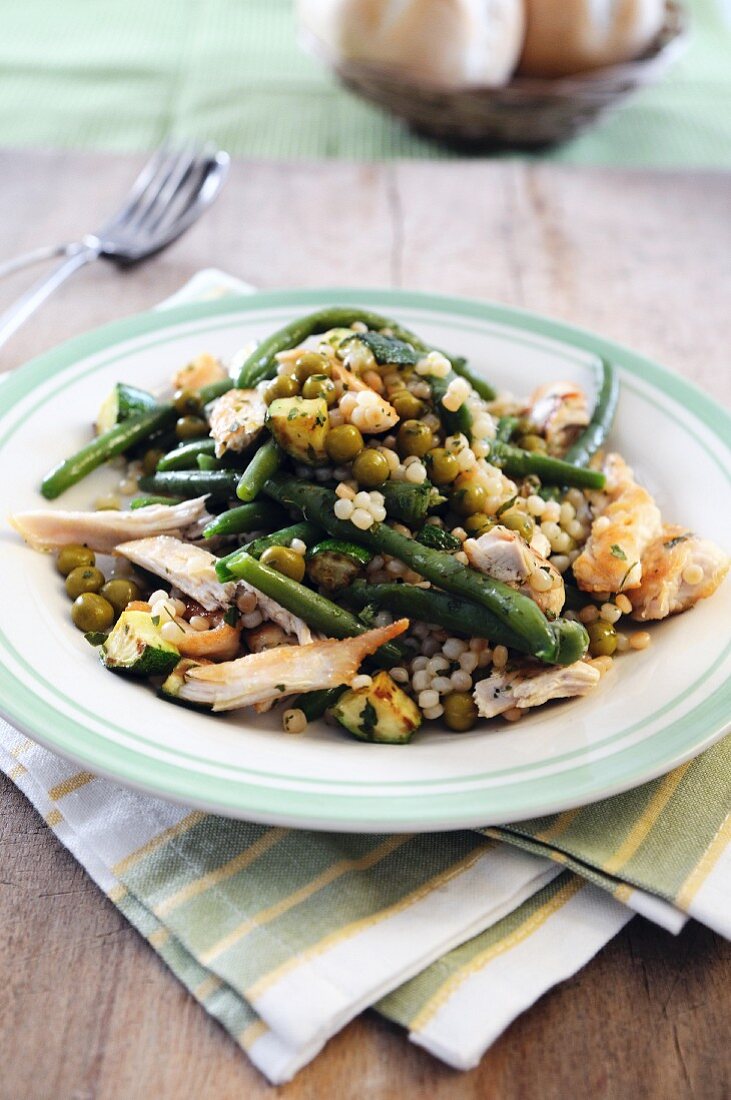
(654, 709)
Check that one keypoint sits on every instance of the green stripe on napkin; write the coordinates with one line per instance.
(654, 837)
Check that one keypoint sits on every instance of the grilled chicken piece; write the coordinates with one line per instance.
(380, 415)
(560, 411)
(202, 371)
(678, 569)
(189, 568)
(46, 529)
(236, 419)
(504, 555)
(261, 677)
(532, 687)
(193, 570)
(629, 520)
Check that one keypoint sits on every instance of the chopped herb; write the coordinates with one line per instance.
(386, 349)
(618, 552)
(231, 617)
(678, 539)
(507, 505)
(281, 687)
(95, 637)
(368, 718)
(293, 413)
(155, 620)
(624, 578)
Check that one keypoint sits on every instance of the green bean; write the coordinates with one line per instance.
(314, 703)
(518, 463)
(513, 609)
(314, 609)
(478, 383)
(597, 430)
(506, 425)
(262, 363)
(112, 443)
(185, 456)
(207, 462)
(265, 462)
(247, 517)
(427, 605)
(572, 641)
(220, 485)
(145, 502)
(215, 389)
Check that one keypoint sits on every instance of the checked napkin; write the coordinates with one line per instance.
(285, 935)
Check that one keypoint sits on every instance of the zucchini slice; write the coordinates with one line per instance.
(383, 712)
(334, 563)
(300, 426)
(136, 647)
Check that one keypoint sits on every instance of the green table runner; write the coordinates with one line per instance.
(119, 76)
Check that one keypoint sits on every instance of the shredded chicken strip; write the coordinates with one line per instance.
(46, 529)
(190, 568)
(532, 687)
(504, 555)
(193, 570)
(678, 569)
(628, 521)
(260, 677)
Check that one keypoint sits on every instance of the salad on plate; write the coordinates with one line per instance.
(344, 521)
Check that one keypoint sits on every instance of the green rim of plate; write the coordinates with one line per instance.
(422, 809)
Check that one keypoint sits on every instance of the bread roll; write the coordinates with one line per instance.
(449, 43)
(571, 36)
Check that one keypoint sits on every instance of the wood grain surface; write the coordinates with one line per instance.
(87, 1010)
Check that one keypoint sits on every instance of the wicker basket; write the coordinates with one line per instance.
(525, 112)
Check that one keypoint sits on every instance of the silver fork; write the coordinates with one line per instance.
(170, 193)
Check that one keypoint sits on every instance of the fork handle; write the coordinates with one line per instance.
(28, 302)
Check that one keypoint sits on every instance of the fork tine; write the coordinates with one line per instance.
(183, 197)
(146, 179)
(146, 219)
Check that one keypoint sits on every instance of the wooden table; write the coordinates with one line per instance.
(87, 1010)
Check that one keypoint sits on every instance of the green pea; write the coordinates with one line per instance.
(414, 438)
(285, 561)
(443, 466)
(284, 385)
(319, 385)
(518, 521)
(72, 557)
(90, 611)
(478, 522)
(371, 469)
(602, 638)
(309, 363)
(408, 405)
(460, 712)
(191, 427)
(85, 578)
(120, 591)
(187, 403)
(343, 443)
(532, 442)
(469, 499)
